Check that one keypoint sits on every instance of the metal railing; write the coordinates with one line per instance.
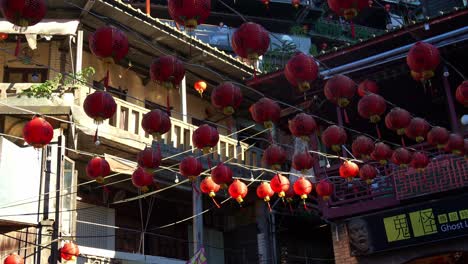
(341, 31)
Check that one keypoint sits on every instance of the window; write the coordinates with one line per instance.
(25, 75)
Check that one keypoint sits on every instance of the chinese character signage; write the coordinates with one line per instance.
(409, 226)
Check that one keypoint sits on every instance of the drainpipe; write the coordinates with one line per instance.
(451, 105)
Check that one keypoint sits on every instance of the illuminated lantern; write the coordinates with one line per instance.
(401, 157)
(296, 3)
(227, 96)
(97, 169)
(363, 147)
(462, 93)
(419, 161)
(349, 170)
(265, 192)
(142, 179)
(205, 137)
(382, 153)
(266, 112)
(417, 129)
(333, 137)
(372, 106)
(99, 106)
(347, 8)
(438, 136)
(302, 187)
(456, 144)
(274, 156)
(423, 59)
(366, 87)
(266, 3)
(208, 186)
(222, 175)
(3, 36)
(301, 70)
(13, 259)
(303, 162)
(156, 123)
(190, 167)
(200, 87)
(302, 126)
(339, 90)
(189, 13)
(38, 132)
(238, 190)
(167, 71)
(250, 41)
(280, 185)
(367, 173)
(69, 251)
(23, 13)
(149, 159)
(324, 189)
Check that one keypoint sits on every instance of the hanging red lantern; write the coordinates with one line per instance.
(302, 126)
(266, 112)
(149, 159)
(303, 162)
(238, 190)
(222, 175)
(295, 3)
(388, 7)
(205, 137)
(303, 187)
(189, 14)
(382, 153)
(69, 251)
(349, 170)
(423, 59)
(142, 179)
(347, 8)
(208, 186)
(333, 137)
(289, 195)
(99, 106)
(455, 144)
(367, 173)
(401, 157)
(23, 13)
(301, 70)
(200, 87)
(462, 93)
(13, 259)
(38, 132)
(363, 147)
(419, 161)
(167, 71)
(372, 106)
(280, 185)
(3, 36)
(265, 192)
(98, 168)
(274, 156)
(340, 90)
(367, 87)
(227, 96)
(156, 123)
(398, 120)
(190, 167)
(417, 129)
(266, 3)
(250, 41)
(438, 136)
(324, 189)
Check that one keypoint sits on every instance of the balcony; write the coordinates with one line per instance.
(333, 29)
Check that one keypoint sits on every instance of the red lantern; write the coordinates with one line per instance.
(14, 259)
(401, 157)
(97, 169)
(295, 3)
(227, 96)
(303, 126)
(347, 8)
(250, 41)
(456, 144)
(200, 87)
(191, 13)
(266, 112)
(238, 190)
(367, 173)
(303, 187)
(38, 132)
(324, 189)
(398, 120)
(301, 70)
(156, 123)
(142, 179)
(280, 185)
(205, 137)
(419, 161)
(363, 147)
(274, 156)
(149, 159)
(222, 175)
(423, 59)
(333, 137)
(349, 170)
(190, 167)
(3, 36)
(462, 93)
(265, 192)
(339, 90)
(372, 106)
(303, 162)
(367, 87)
(382, 153)
(99, 106)
(69, 251)
(417, 129)
(23, 13)
(266, 3)
(208, 186)
(438, 136)
(167, 71)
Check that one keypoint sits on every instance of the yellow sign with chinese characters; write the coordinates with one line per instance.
(397, 228)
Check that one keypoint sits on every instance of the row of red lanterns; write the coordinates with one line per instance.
(68, 252)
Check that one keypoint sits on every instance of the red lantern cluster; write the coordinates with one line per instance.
(301, 70)
(417, 129)
(339, 90)
(462, 93)
(13, 259)
(438, 136)
(23, 13)
(423, 59)
(266, 112)
(333, 137)
(109, 44)
(347, 8)
(167, 71)
(348, 170)
(456, 144)
(142, 179)
(222, 175)
(382, 153)
(205, 138)
(280, 185)
(191, 13)
(402, 157)
(97, 169)
(38, 132)
(419, 161)
(372, 106)
(69, 251)
(190, 167)
(227, 96)
(367, 173)
(303, 162)
(324, 189)
(363, 147)
(303, 187)
(303, 126)
(156, 123)
(250, 41)
(99, 106)
(274, 156)
(367, 87)
(238, 190)
(265, 192)
(149, 159)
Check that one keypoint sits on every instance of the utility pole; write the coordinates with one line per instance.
(58, 186)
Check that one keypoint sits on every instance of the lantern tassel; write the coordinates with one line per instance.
(269, 206)
(215, 202)
(378, 131)
(346, 118)
(106, 79)
(305, 205)
(353, 29)
(229, 122)
(18, 46)
(96, 136)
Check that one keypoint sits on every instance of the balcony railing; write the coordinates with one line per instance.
(336, 30)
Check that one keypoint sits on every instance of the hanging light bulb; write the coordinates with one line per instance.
(35, 77)
(251, 177)
(176, 178)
